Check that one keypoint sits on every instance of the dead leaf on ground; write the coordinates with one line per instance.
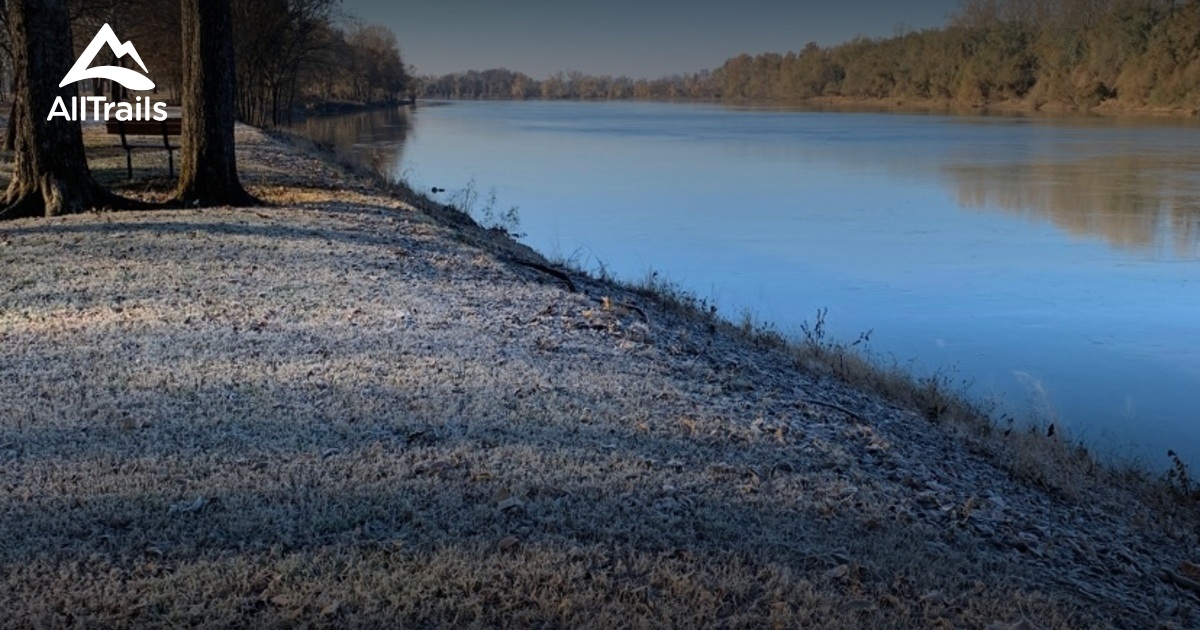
(1190, 569)
(284, 601)
(934, 598)
(185, 507)
(859, 605)
(1023, 624)
(511, 503)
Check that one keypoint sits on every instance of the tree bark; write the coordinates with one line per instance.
(10, 129)
(50, 172)
(208, 172)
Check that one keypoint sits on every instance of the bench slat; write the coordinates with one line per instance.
(170, 126)
(159, 128)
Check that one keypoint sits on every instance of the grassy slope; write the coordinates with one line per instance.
(342, 410)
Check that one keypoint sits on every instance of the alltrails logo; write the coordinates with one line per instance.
(100, 108)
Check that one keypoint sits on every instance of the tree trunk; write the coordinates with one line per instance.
(50, 172)
(208, 171)
(10, 129)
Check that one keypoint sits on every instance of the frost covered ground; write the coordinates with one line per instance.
(342, 410)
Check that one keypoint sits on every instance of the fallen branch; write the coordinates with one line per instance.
(636, 309)
(547, 270)
(1181, 581)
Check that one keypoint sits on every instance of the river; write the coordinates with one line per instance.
(1049, 265)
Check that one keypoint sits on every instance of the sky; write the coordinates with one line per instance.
(637, 38)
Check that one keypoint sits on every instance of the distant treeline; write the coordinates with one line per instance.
(1075, 53)
(290, 53)
(294, 51)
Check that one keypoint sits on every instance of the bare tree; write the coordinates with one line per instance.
(278, 42)
(153, 24)
(50, 173)
(10, 128)
(208, 172)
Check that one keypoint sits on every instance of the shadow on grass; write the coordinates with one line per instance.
(261, 507)
(223, 227)
(278, 484)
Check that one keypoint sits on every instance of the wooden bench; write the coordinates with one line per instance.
(164, 129)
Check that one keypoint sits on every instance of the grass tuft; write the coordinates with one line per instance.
(1179, 480)
(1041, 453)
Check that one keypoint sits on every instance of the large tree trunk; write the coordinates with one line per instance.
(50, 174)
(10, 129)
(10, 126)
(208, 174)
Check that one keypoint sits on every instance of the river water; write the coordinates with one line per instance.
(1049, 264)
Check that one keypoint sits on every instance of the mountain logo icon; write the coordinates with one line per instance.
(131, 79)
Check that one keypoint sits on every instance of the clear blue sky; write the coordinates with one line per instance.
(638, 38)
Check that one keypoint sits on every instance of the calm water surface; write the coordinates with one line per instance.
(1053, 263)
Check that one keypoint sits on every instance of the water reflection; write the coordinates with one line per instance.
(1145, 204)
(950, 237)
(372, 139)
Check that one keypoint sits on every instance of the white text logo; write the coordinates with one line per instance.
(100, 108)
(131, 79)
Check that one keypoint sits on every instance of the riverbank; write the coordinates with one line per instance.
(1009, 107)
(351, 407)
(943, 106)
(330, 108)
(1015, 107)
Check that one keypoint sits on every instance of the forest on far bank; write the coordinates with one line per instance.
(290, 54)
(1071, 53)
